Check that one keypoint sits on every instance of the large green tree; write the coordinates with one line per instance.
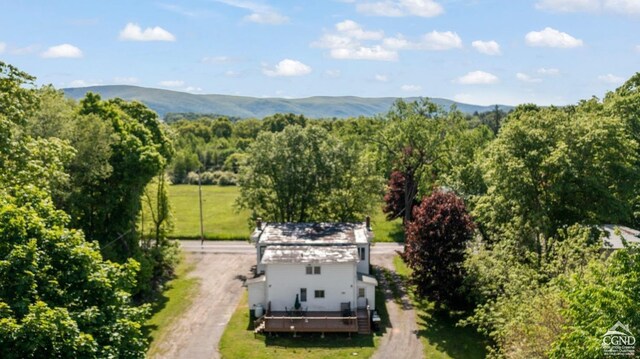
(305, 174)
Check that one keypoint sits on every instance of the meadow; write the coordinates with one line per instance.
(222, 221)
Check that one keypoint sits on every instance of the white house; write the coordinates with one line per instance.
(310, 271)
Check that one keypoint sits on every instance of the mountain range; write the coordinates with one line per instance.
(166, 101)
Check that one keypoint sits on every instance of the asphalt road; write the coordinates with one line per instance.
(241, 247)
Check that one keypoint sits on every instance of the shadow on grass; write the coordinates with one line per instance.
(397, 233)
(157, 303)
(314, 340)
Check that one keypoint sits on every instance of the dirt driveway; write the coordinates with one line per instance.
(196, 333)
(400, 341)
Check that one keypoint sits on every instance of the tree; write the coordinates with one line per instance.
(435, 246)
(550, 168)
(304, 174)
(412, 142)
(279, 121)
(394, 198)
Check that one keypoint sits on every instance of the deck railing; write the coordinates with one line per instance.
(311, 324)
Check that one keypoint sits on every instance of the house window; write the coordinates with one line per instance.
(316, 270)
(319, 294)
(361, 252)
(303, 294)
(313, 270)
(309, 270)
(361, 292)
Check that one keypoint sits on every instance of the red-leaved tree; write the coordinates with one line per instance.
(394, 199)
(435, 246)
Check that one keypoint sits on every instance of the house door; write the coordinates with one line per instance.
(362, 297)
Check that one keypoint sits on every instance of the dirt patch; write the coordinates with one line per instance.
(195, 334)
(401, 339)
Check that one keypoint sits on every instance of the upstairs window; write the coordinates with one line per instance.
(361, 251)
(319, 293)
(316, 270)
(313, 270)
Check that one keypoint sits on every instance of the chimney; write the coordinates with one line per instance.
(259, 223)
(367, 221)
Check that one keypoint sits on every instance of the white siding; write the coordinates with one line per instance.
(363, 265)
(338, 280)
(256, 294)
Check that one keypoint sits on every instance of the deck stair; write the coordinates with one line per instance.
(364, 324)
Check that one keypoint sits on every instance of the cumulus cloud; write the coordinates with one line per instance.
(218, 60)
(351, 41)
(487, 47)
(3, 46)
(171, 83)
(287, 67)
(261, 14)
(615, 6)
(611, 79)
(548, 72)
(434, 41)
(398, 8)
(133, 32)
(64, 50)
(478, 78)
(411, 88)
(526, 78)
(550, 37)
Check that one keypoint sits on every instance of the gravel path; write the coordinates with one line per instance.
(196, 333)
(400, 340)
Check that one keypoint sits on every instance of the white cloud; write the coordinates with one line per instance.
(288, 67)
(64, 50)
(3, 46)
(83, 83)
(442, 40)
(568, 5)
(526, 78)
(435, 41)
(487, 47)
(24, 50)
(624, 7)
(397, 8)
(353, 30)
(126, 80)
(548, 72)
(333, 73)
(192, 89)
(478, 78)
(381, 78)
(347, 43)
(133, 32)
(376, 52)
(261, 14)
(411, 88)
(550, 37)
(218, 60)
(611, 79)
(171, 83)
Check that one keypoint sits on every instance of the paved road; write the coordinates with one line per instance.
(241, 247)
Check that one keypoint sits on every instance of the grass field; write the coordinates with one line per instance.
(173, 302)
(238, 340)
(222, 222)
(438, 332)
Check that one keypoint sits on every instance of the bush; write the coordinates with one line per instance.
(227, 179)
(222, 178)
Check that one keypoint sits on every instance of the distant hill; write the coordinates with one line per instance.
(165, 101)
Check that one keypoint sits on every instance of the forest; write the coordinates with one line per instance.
(502, 212)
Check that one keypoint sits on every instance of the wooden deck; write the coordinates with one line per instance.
(325, 322)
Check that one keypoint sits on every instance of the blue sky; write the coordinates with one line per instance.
(481, 52)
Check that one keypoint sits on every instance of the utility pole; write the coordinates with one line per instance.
(201, 220)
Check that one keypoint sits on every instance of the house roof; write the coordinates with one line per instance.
(368, 279)
(256, 280)
(310, 254)
(613, 240)
(312, 233)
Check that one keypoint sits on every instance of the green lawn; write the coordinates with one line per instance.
(222, 222)
(170, 305)
(219, 216)
(438, 331)
(238, 341)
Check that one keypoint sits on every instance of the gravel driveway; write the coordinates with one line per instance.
(196, 333)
